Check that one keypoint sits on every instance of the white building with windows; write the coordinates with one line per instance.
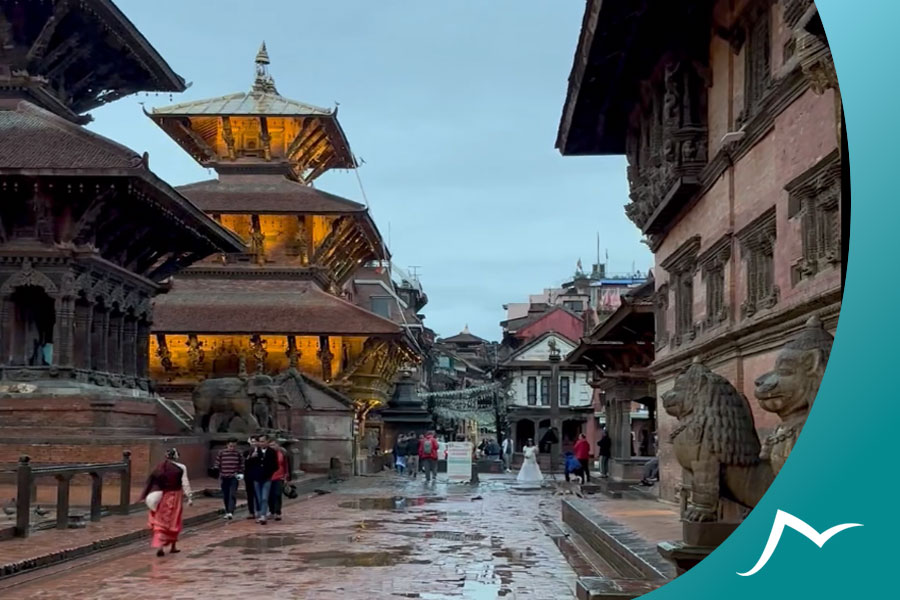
(528, 373)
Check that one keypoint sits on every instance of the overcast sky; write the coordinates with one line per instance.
(454, 107)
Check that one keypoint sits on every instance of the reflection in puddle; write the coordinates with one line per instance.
(260, 542)
(395, 503)
(451, 536)
(385, 558)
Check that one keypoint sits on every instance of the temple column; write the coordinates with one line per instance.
(114, 344)
(100, 338)
(142, 349)
(6, 329)
(325, 357)
(84, 315)
(129, 346)
(64, 332)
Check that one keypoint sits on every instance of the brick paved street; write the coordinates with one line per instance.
(380, 537)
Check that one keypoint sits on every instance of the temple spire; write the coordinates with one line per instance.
(264, 81)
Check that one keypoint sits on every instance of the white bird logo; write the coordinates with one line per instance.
(782, 520)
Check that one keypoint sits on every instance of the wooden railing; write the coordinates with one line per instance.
(26, 476)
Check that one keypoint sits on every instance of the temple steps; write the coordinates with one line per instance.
(178, 410)
(611, 562)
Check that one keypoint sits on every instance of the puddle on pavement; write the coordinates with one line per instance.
(383, 558)
(450, 536)
(395, 503)
(261, 542)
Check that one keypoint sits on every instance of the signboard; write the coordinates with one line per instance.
(459, 462)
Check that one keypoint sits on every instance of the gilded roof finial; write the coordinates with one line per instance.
(264, 81)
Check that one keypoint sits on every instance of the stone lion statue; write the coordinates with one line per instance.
(791, 387)
(715, 442)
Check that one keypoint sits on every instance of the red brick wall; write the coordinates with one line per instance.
(803, 134)
(77, 413)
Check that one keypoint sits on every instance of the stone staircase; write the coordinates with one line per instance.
(180, 410)
(611, 561)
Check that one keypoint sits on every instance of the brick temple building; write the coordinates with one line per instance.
(280, 303)
(730, 118)
(88, 237)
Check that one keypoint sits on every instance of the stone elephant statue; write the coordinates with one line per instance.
(232, 396)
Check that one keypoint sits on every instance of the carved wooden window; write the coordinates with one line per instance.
(758, 58)
(814, 198)
(713, 262)
(681, 266)
(532, 391)
(545, 391)
(684, 303)
(758, 251)
(564, 391)
(662, 307)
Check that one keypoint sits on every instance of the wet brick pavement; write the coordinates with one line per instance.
(377, 538)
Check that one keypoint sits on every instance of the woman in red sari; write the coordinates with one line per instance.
(170, 479)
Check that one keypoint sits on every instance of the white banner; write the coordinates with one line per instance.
(459, 462)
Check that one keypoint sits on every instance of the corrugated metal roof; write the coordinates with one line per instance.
(246, 103)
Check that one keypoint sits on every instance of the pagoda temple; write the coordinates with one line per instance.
(88, 236)
(277, 304)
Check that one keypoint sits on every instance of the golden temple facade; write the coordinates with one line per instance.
(278, 304)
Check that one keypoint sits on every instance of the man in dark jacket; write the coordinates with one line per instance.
(412, 454)
(261, 465)
(248, 482)
(604, 450)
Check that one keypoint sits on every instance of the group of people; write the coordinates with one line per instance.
(265, 470)
(414, 453)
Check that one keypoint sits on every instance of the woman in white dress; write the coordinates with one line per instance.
(530, 471)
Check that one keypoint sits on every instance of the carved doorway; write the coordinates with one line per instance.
(524, 432)
(33, 321)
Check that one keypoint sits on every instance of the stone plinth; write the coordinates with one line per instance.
(627, 470)
(698, 541)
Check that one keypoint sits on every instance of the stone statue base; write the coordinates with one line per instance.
(699, 540)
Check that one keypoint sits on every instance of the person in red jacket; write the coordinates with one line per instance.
(583, 454)
(428, 456)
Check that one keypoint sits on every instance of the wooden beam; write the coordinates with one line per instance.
(265, 140)
(67, 45)
(39, 45)
(228, 136)
(89, 219)
(197, 139)
(301, 139)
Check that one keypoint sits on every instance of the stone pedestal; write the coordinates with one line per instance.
(699, 540)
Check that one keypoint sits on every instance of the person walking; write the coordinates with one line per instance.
(412, 455)
(428, 454)
(164, 494)
(248, 478)
(230, 465)
(261, 465)
(582, 452)
(507, 454)
(281, 475)
(400, 454)
(604, 450)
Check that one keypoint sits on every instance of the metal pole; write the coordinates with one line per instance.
(125, 489)
(23, 497)
(554, 410)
